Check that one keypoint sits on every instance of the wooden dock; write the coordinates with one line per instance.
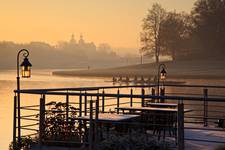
(141, 80)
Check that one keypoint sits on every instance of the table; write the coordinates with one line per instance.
(165, 105)
(109, 117)
(159, 119)
(109, 120)
(156, 109)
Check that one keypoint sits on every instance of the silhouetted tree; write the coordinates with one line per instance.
(63, 55)
(176, 29)
(151, 34)
(209, 19)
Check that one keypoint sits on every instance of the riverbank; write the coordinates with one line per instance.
(181, 69)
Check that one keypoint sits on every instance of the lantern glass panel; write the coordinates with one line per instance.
(163, 76)
(26, 71)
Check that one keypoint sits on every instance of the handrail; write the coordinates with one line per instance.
(83, 88)
(133, 96)
(112, 87)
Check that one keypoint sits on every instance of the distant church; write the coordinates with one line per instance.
(81, 44)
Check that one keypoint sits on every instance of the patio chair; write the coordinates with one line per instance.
(163, 123)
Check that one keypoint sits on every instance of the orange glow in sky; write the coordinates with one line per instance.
(117, 22)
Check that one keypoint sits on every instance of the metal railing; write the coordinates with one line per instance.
(196, 97)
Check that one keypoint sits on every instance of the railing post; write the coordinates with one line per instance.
(90, 138)
(103, 101)
(41, 118)
(14, 122)
(97, 106)
(205, 92)
(67, 108)
(18, 119)
(85, 103)
(180, 121)
(131, 97)
(96, 117)
(143, 99)
(162, 93)
(153, 94)
(80, 104)
(118, 100)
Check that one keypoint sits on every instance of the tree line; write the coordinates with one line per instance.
(198, 35)
(62, 55)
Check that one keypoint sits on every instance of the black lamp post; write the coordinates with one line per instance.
(25, 73)
(161, 74)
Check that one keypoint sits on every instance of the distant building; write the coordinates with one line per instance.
(81, 45)
(72, 40)
(81, 41)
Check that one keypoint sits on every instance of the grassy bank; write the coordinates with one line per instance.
(176, 69)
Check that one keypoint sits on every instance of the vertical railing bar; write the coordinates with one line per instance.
(18, 118)
(118, 100)
(90, 138)
(153, 94)
(142, 99)
(96, 118)
(41, 118)
(85, 103)
(103, 101)
(205, 92)
(14, 122)
(162, 93)
(67, 107)
(131, 97)
(180, 121)
(80, 104)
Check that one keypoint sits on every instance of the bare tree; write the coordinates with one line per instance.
(151, 34)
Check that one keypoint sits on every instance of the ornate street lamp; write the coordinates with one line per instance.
(26, 68)
(25, 73)
(161, 74)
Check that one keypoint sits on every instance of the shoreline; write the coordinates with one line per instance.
(174, 69)
(211, 77)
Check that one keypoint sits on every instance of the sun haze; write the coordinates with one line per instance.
(117, 22)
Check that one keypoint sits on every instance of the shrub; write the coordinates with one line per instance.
(26, 143)
(134, 141)
(56, 126)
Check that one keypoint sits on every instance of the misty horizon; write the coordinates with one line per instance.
(119, 26)
(74, 53)
(122, 51)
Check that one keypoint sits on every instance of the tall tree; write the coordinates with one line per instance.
(209, 19)
(151, 34)
(175, 31)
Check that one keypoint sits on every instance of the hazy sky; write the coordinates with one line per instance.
(117, 22)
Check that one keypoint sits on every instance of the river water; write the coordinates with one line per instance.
(44, 79)
(40, 79)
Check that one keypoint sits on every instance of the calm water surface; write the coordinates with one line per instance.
(44, 79)
(40, 79)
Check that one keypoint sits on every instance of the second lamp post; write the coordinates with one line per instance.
(161, 75)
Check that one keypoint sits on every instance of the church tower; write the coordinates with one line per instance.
(72, 40)
(81, 41)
